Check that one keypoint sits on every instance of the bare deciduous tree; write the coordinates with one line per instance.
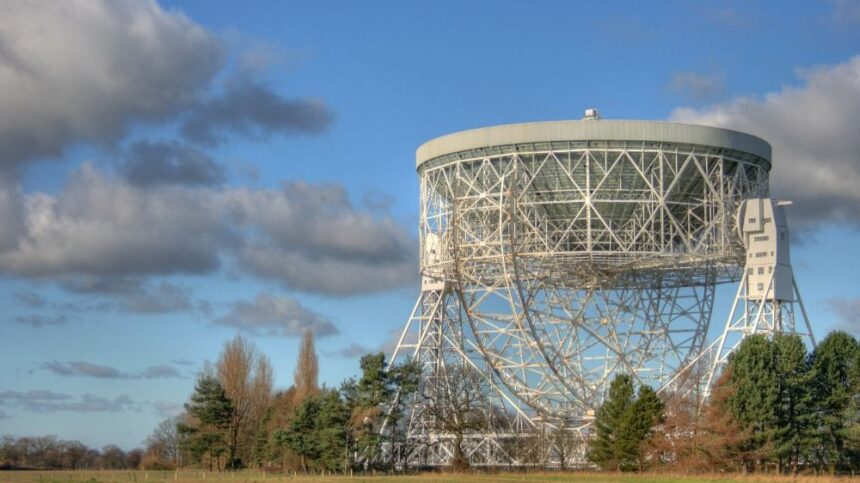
(457, 402)
(246, 376)
(163, 445)
(695, 436)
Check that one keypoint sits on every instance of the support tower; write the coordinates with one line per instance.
(556, 255)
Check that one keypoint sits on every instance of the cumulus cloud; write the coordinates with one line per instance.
(387, 346)
(134, 295)
(312, 238)
(813, 131)
(100, 226)
(250, 108)
(848, 312)
(161, 298)
(149, 163)
(11, 209)
(845, 13)
(103, 234)
(98, 371)
(351, 351)
(698, 87)
(86, 71)
(276, 316)
(83, 70)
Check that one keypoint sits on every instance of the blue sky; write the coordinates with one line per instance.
(170, 171)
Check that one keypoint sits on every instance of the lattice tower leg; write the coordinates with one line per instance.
(434, 336)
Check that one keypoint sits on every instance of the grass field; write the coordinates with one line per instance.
(108, 476)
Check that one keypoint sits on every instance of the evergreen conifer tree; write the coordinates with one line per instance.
(318, 432)
(260, 452)
(300, 437)
(376, 397)
(331, 431)
(609, 424)
(365, 399)
(623, 424)
(836, 396)
(793, 424)
(754, 400)
(211, 412)
(637, 426)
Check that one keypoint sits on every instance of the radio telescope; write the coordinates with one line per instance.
(555, 255)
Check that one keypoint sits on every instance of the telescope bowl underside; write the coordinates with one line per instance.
(576, 261)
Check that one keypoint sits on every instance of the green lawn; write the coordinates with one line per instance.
(108, 476)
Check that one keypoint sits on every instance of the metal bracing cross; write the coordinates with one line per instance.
(565, 266)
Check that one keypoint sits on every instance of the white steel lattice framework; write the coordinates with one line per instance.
(556, 255)
(766, 295)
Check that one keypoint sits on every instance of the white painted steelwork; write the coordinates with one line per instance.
(556, 255)
(767, 293)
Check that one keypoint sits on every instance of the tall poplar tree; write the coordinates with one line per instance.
(306, 375)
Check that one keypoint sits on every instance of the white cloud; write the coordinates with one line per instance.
(252, 109)
(845, 13)
(130, 295)
(813, 131)
(11, 211)
(698, 87)
(387, 346)
(276, 316)
(351, 351)
(101, 229)
(101, 226)
(83, 70)
(312, 238)
(848, 312)
(86, 71)
(150, 163)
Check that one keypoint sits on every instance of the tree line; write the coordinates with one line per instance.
(235, 420)
(774, 409)
(49, 452)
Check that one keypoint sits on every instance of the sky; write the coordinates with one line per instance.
(175, 173)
